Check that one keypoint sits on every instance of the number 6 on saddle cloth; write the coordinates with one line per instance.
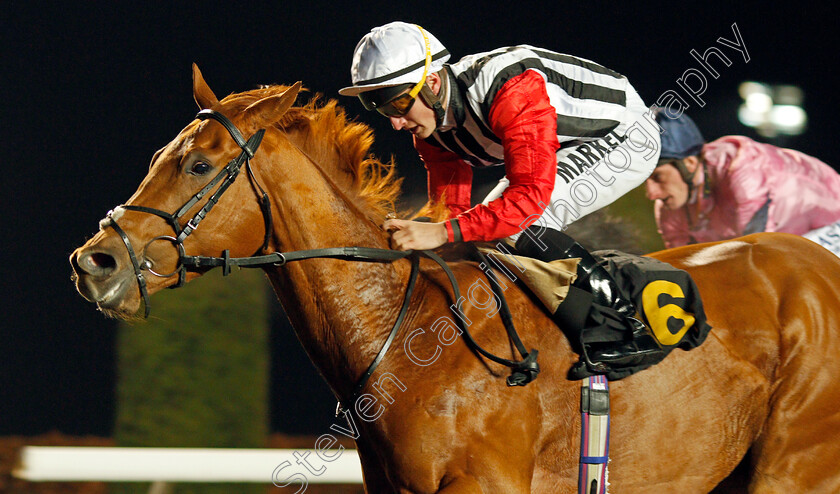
(614, 292)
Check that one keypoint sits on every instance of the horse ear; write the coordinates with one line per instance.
(204, 97)
(270, 109)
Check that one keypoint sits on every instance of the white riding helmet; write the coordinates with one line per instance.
(394, 55)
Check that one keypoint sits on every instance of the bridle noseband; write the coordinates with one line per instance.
(523, 371)
(226, 176)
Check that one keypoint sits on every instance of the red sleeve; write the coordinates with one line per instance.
(449, 177)
(522, 117)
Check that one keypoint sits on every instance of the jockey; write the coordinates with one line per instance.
(734, 186)
(571, 134)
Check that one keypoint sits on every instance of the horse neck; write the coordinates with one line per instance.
(341, 310)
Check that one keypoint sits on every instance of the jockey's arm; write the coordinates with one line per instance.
(523, 118)
(450, 182)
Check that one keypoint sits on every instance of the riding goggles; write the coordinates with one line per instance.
(397, 106)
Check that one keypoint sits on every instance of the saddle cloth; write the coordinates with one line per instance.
(665, 297)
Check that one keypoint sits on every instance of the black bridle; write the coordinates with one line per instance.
(523, 371)
(226, 176)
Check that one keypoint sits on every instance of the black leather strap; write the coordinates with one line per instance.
(229, 174)
(529, 358)
(232, 130)
(362, 382)
(173, 222)
(226, 176)
(456, 230)
(141, 280)
(524, 371)
(281, 258)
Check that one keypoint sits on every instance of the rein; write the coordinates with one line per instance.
(522, 371)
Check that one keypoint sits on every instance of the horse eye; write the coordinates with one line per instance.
(199, 168)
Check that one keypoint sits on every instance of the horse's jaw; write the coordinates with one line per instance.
(113, 298)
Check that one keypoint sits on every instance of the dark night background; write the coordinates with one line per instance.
(91, 90)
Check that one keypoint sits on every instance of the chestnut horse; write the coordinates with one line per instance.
(435, 416)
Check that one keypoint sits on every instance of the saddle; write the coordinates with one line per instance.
(666, 298)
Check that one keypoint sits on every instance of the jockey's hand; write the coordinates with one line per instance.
(415, 235)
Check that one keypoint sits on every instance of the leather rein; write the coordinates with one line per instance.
(522, 371)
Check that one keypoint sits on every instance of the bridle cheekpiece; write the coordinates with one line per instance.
(226, 177)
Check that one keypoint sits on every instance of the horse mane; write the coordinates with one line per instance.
(327, 131)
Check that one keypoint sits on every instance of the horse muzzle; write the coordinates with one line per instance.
(104, 279)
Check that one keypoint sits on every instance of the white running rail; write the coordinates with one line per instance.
(105, 464)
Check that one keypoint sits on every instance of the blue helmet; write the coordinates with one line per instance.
(681, 138)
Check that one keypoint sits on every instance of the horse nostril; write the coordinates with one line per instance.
(96, 263)
(103, 261)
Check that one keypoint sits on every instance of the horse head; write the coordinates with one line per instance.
(140, 244)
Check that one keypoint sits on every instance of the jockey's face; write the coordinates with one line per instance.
(665, 184)
(420, 119)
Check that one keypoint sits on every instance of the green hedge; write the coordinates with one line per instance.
(637, 210)
(196, 373)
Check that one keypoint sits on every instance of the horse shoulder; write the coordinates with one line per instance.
(452, 392)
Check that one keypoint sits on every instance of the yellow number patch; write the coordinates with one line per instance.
(658, 316)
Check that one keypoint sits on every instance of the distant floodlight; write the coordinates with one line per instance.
(788, 95)
(788, 118)
(759, 102)
(749, 117)
(772, 110)
(749, 88)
